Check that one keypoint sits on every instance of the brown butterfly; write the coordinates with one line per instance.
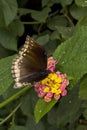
(30, 65)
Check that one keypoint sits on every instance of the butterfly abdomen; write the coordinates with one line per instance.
(36, 76)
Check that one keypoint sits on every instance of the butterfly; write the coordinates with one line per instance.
(30, 65)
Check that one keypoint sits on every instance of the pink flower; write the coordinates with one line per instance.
(47, 99)
(49, 94)
(63, 86)
(51, 64)
(64, 92)
(41, 94)
(37, 85)
(54, 85)
(57, 96)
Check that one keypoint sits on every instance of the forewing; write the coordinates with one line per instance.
(32, 59)
(35, 53)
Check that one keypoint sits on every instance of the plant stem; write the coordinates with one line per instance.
(31, 22)
(66, 15)
(4, 120)
(15, 96)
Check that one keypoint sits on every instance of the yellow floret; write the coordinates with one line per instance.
(52, 83)
(46, 89)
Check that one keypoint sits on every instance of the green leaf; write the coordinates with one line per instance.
(7, 39)
(3, 52)
(72, 54)
(82, 3)
(84, 104)
(29, 100)
(85, 113)
(51, 46)
(9, 92)
(5, 73)
(83, 88)
(62, 32)
(55, 35)
(52, 116)
(69, 109)
(47, 3)
(65, 32)
(78, 12)
(41, 16)
(42, 108)
(2, 21)
(8, 9)
(16, 27)
(24, 11)
(43, 39)
(81, 127)
(31, 124)
(22, 3)
(65, 2)
(16, 127)
(51, 127)
(82, 22)
(56, 21)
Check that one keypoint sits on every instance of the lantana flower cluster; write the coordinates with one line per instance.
(54, 85)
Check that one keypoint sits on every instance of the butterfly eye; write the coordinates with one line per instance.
(30, 65)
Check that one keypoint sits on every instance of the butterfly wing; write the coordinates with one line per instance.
(30, 65)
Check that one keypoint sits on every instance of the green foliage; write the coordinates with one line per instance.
(16, 27)
(8, 11)
(61, 27)
(65, 2)
(43, 39)
(31, 124)
(8, 41)
(5, 74)
(78, 12)
(59, 115)
(72, 107)
(40, 16)
(42, 108)
(72, 59)
(83, 88)
(82, 3)
(15, 127)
